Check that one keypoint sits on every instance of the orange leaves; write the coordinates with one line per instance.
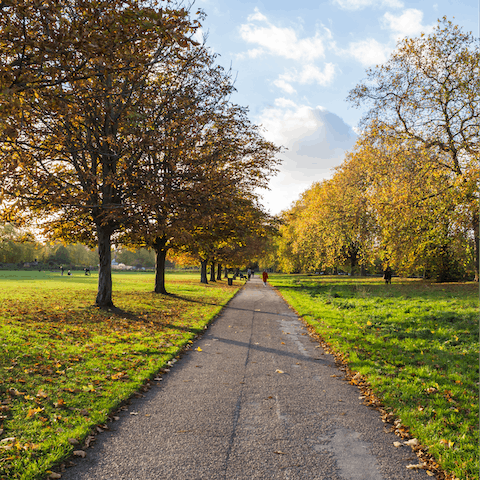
(33, 411)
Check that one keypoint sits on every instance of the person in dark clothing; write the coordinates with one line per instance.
(387, 275)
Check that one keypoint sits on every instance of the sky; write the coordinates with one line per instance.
(294, 63)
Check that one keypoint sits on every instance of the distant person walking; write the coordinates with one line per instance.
(265, 278)
(249, 273)
(61, 268)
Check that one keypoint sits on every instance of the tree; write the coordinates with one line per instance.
(75, 77)
(427, 94)
(207, 157)
(420, 221)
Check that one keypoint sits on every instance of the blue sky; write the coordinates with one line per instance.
(296, 61)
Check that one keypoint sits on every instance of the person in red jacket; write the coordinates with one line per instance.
(264, 276)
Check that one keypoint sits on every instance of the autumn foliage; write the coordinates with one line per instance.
(115, 120)
(407, 195)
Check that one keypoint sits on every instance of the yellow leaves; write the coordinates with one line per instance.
(33, 411)
(199, 349)
(42, 394)
(447, 443)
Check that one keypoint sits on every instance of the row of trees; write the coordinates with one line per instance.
(117, 127)
(408, 194)
(18, 247)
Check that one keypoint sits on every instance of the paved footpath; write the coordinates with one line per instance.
(261, 400)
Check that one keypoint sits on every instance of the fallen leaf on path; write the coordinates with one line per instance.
(199, 349)
(412, 443)
(133, 413)
(80, 453)
(278, 452)
(418, 466)
(397, 444)
(283, 343)
(279, 371)
(55, 475)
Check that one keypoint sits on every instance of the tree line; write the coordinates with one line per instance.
(407, 195)
(117, 127)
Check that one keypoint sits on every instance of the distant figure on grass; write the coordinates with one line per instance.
(264, 277)
(61, 268)
(387, 275)
(87, 271)
(69, 272)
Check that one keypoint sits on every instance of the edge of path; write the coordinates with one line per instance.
(370, 397)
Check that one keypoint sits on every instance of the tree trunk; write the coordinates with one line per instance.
(212, 272)
(477, 245)
(203, 272)
(160, 256)
(104, 294)
(219, 271)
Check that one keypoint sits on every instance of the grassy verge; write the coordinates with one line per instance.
(66, 365)
(416, 344)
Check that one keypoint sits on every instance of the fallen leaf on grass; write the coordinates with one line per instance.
(33, 411)
(81, 453)
(73, 441)
(8, 440)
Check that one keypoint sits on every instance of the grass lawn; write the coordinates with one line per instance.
(66, 365)
(416, 343)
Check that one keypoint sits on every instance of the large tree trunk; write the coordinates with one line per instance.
(104, 294)
(203, 272)
(212, 271)
(219, 271)
(160, 256)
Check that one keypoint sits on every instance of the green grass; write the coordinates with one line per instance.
(417, 345)
(66, 365)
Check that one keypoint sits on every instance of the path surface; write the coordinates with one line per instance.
(261, 400)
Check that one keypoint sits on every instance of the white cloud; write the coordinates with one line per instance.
(260, 17)
(368, 52)
(284, 85)
(360, 4)
(409, 23)
(307, 75)
(282, 42)
(316, 141)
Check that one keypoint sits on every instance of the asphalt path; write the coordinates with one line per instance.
(254, 398)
